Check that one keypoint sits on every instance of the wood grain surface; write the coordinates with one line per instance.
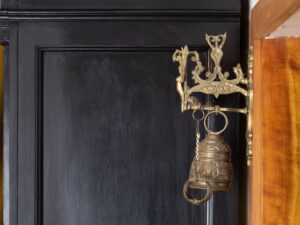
(255, 183)
(280, 99)
(268, 15)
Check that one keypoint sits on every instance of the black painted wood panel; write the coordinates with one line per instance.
(93, 119)
(110, 139)
(121, 4)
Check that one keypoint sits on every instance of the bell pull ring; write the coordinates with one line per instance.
(211, 167)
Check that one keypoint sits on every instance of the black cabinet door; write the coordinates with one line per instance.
(94, 129)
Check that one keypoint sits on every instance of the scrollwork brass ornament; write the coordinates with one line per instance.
(212, 170)
(215, 83)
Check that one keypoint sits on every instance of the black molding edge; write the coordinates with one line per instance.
(39, 93)
(10, 131)
(4, 33)
(117, 48)
(122, 15)
(243, 174)
(38, 138)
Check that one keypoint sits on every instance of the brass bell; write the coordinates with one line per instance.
(211, 168)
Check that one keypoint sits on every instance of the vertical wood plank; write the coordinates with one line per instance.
(278, 165)
(256, 176)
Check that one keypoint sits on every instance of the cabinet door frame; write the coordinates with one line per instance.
(14, 115)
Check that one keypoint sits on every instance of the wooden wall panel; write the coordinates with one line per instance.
(280, 99)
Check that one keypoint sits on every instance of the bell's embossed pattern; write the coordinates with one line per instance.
(211, 168)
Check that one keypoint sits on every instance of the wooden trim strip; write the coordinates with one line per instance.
(256, 204)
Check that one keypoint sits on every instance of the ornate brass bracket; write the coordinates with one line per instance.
(214, 82)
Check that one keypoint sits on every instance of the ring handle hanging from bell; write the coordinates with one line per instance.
(215, 132)
(196, 201)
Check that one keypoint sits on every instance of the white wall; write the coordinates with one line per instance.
(252, 3)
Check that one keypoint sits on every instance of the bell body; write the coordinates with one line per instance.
(212, 165)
